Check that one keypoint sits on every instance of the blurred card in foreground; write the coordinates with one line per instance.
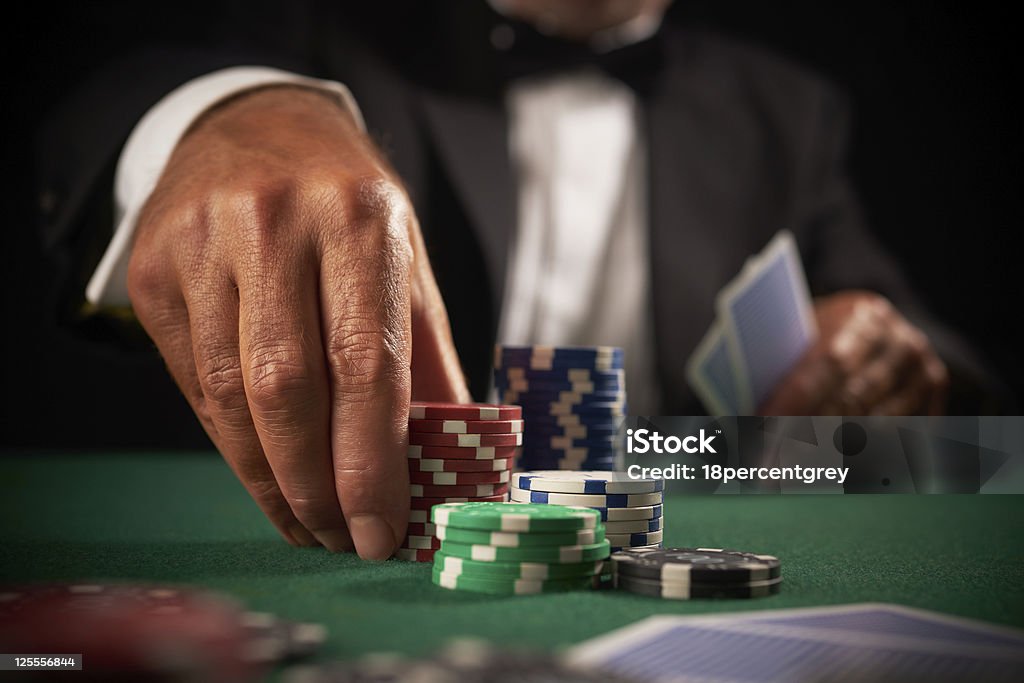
(866, 642)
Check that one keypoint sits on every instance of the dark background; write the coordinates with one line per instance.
(935, 154)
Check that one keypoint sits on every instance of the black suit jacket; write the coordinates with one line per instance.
(741, 144)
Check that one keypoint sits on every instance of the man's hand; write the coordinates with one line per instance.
(868, 360)
(280, 270)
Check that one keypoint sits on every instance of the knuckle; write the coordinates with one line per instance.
(372, 198)
(277, 376)
(260, 487)
(316, 512)
(220, 376)
(376, 213)
(146, 278)
(835, 355)
(917, 343)
(363, 359)
(267, 494)
(356, 471)
(878, 304)
(254, 208)
(938, 374)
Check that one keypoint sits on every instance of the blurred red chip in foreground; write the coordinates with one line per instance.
(131, 632)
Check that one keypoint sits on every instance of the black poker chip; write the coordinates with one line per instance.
(695, 565)
(692, 591)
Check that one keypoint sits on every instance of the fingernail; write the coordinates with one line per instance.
(335, 540)
(373, 537)
(302, 536)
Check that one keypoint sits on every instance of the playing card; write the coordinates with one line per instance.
(846, 643)
(710, 373)
(767, 320)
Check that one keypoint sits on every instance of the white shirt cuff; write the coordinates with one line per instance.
(150, 146)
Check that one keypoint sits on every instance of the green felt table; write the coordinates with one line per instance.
(183, 518)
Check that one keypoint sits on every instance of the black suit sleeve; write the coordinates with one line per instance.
(78, 145)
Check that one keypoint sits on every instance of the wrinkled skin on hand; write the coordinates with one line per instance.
(868, 360)
(279, 268)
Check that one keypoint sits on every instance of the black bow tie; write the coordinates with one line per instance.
(522, 51)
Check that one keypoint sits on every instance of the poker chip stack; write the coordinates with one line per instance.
(573, 399)
(512, 549)
(631, 508)
(687, 573)
(457, 453)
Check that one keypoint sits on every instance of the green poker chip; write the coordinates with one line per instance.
(535, 571)
(558, 554)
(511, 539)
(515, 517)
(511, 586)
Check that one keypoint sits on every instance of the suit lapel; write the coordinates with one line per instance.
(471, 137)
(694, 239)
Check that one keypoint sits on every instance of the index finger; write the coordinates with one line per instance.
(366, 322)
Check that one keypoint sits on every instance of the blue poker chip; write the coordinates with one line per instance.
(504, 384)
(562, 443)
(610, 500)
(635, 540)
(569, 375)
(588, 409)
(576, 432)
(543, 450)
(655, 546)
(543, 453)
(598, 436)
(571, 466)
(649, 512)
(606, 365)
(541, 399)
(584, 356)
(574, 454)
(548, 462)
(538, 456)
(600, 431)
(560, 463)
(584, 482)
(634, 526)
(538, 386)
(577, 419)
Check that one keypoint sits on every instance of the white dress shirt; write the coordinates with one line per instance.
(579, 270)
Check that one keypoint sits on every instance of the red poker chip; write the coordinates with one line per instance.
(416, 452)
(421, 542)
(421, 528)
(427, 503)
(470, 490)
(414, 555)
(459, 478)
(419, 516)
(466, 426)
(464, 440)
(132, 632)
(427, 410)
(439, 465)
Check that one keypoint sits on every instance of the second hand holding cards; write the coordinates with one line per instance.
(765, 324)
